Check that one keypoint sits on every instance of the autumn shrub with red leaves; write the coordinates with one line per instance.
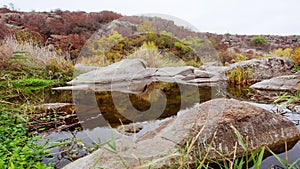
(4, 31)
(73, 28)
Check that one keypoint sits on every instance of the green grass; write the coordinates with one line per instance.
(21, 88)
(26, 70)
(17, 148)
(288, 99)
(33, 82)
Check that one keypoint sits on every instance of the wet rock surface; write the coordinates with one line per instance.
(212, 119)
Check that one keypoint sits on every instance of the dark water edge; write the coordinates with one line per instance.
(101, 121)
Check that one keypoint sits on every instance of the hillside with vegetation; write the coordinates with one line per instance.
(40, 51)
(65, 31)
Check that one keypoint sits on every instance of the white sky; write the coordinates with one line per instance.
(215, 16)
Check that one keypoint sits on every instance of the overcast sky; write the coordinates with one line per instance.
(216, 16)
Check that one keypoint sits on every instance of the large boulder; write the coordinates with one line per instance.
(120, 75)
(125, 70)
(265, 68)
(282, 83)
(208, 124)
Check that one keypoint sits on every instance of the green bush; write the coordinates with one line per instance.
(182, 47)
(259, 40)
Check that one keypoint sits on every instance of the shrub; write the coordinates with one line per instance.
(296, 56)
(34, 22)
(240, 57)
(259, 40)
(226, 56)
(149, 52)
(26, 35)
(239, 76)
(282, 53)
(101, 51)
(182, 47)
(107, 50)
(293, 54)
(36, 61)
(145, 27)
(71, 43)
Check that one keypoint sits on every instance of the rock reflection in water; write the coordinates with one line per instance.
(137, 103)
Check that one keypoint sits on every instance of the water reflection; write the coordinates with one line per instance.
(102, 108)
(157, 100)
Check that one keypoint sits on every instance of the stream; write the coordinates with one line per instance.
(100, 116)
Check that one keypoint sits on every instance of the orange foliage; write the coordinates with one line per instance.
(296, 56)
